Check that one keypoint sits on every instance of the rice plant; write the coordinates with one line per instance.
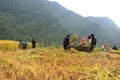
(46, 63)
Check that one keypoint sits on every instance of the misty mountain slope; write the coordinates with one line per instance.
(109, 29)
(30, 19)
(49, 22)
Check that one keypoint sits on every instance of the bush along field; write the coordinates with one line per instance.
(51, 63)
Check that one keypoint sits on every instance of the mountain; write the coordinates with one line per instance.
(25, 19)
(49, 22)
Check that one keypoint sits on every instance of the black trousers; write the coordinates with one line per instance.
(91, 47)
(33, 46)
(65, 46)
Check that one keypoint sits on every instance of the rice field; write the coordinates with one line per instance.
(12, 45)
(50, 63)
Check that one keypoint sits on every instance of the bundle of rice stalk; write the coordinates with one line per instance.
(74, 38)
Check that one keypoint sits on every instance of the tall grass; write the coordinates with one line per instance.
(8, 45)
(57, 64)
(12, 45)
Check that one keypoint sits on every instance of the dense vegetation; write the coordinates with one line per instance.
(51, 63)
(48, 22)
(55, 64)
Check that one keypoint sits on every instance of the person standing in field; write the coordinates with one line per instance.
(66, 42)
(93, 42)
(33, 43)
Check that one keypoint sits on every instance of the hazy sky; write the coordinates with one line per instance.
(104, 8)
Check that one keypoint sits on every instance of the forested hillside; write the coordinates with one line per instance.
(49, 22)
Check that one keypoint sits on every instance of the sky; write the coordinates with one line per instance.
(96, 8)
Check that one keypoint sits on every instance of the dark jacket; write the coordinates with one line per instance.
(93, 41)
(66, 41)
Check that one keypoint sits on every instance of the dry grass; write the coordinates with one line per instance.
(56, 64)
(12, 45)
(8, 45)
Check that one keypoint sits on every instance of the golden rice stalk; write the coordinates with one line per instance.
(8, 45)
(12, 45)
(74, 38)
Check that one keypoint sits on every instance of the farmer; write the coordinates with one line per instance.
(93, 42)
(105, 46)
(83, 41)
(22, 45)
(33, 43)
(66, 42)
